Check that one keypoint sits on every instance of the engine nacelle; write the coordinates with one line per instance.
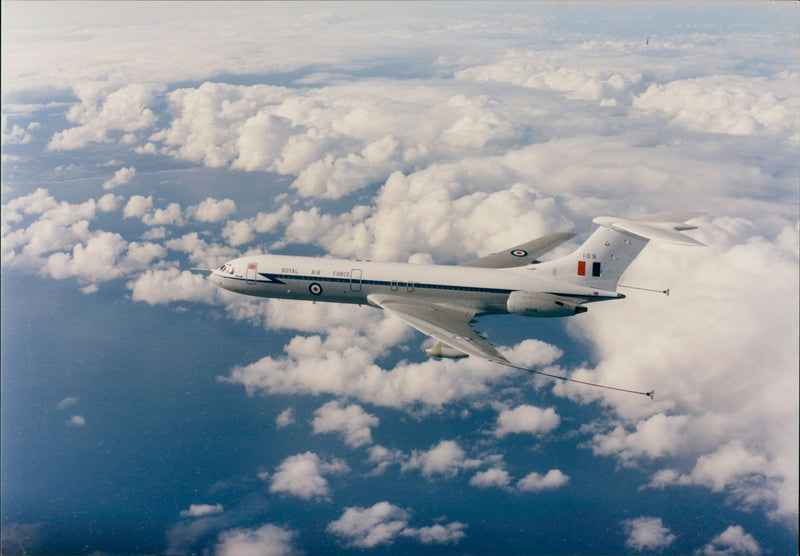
(536, 304)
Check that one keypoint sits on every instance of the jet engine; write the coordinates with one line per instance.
(536, 304)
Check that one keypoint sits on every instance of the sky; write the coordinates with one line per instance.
(146, 411)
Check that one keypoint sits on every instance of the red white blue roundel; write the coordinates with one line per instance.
(519, 253)
(315, 288)
(463, 338)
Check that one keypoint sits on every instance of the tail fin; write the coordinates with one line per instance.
(608, 252)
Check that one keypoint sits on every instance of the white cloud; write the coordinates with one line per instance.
(285, 418)
(170, 216)
(654, 437)
(66, 402)
(732, 540)
(95, 261)
(699, 348)
(99, 113)
(526, 419)
(76, 421)
(446, 458)
(534, 482)
(494, 477)
(382, 457)
(243, 231)
(212, 210)
(200, 252)
(462, 167)
(121, 177)
(342, 364)
(587, 79)
(137, 206)
(267, 540)
(201, 510)
(370, 527)
(437, 534)
(15, 134)
(647, 534)
(730, 104)
(34, 203)
(302, 475)
(352, 422)
(162, 286)
(108, 202)
(382, 523)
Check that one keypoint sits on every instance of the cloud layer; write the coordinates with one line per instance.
(489, 137)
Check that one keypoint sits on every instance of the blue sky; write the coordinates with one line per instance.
(145, 411)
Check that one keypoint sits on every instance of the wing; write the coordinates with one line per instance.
(446, 323)
(522, 254)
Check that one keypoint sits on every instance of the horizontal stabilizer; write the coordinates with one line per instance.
(660, 227)
(522, 254)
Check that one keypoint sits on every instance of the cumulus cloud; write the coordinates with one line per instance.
(343, 364)
(534, 482)
(494, 477)
(163, 286)
(729, 104)
(463, 167)
(266, 540)
(382, 523)
(369, 527)
(446, 458)
(212, 210)
(76, 421)
(244, 231)
(141, 207)
(352, 422)
(170, 216)
(15, 134)
(200, 252)
(732, 540)
(137, 206)
(450, 533)
(201, 510)
(382, 457)
(108, 202)
(647, 534)
(100, 113)
(121, 177)
(302, 475)
(285, 418)
(526, 419)
(703, 368)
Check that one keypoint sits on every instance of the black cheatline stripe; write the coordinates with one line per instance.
(277, 279)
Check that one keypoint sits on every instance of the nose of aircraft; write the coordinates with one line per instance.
(219, 276)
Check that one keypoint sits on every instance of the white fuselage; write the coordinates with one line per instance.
(485, 290)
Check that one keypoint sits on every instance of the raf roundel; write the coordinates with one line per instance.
(315, 289)
(519, 253)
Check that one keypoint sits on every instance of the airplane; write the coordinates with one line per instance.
(443, 301)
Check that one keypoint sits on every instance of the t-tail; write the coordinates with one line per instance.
(608, 252)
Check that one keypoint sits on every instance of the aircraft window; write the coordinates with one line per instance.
(222, 268)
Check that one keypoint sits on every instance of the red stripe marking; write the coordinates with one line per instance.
(581, 268)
